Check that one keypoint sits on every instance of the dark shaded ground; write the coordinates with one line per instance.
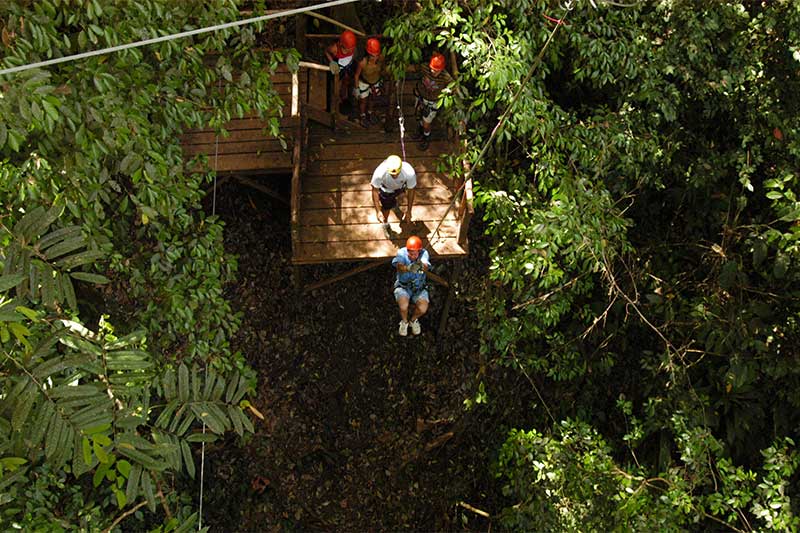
(364, 430)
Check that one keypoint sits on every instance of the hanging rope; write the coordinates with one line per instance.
(400, 87)
(501, 121)
(213, 213)
(174, 36)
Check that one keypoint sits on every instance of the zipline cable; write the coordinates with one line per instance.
(568, 6)
(173, 36)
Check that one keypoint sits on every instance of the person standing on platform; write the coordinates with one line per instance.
(369, 80)
(340, 57)
(434, 79)
(410, 286)
(389, 180)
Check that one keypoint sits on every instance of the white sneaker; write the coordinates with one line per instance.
(416, 329)
(403, 331)
(387, 230)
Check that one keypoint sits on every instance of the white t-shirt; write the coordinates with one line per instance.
(384, 181)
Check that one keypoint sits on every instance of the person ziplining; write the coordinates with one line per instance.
(412, 263)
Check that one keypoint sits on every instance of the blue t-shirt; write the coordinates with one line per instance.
(415, 280)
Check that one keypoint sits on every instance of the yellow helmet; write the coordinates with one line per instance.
(394, 164)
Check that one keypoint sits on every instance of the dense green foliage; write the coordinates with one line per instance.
(101, 225)
(642, 207)
(640, 204)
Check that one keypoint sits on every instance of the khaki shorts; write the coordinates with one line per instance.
(427, 109)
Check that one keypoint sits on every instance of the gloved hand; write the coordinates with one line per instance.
(334, 67)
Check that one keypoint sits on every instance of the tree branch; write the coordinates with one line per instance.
(125, 515)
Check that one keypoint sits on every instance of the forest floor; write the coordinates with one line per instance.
(364, 430)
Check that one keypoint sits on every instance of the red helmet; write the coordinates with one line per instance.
(414, 243)
(348, 39)
(373, 46)
(437, 61)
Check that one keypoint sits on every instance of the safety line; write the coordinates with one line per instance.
(399, 88)
(213, 212)
(568, 6)
(173, 36)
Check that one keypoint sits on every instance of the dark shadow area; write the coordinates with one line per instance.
(363, 430)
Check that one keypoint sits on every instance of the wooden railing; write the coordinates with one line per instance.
(465, 211)
(299, 151)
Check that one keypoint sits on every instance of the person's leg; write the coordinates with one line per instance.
(385, 226)
(420, 300)
(363, 95)
(368, 101)
(362, 106)
(427, 122)
(402, 305)
(402, 297)
(420, 308)
(397, 211)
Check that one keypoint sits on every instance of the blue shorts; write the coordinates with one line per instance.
(400, 292)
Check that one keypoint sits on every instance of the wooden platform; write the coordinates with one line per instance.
(337, 219)
(250, 148)
(331, 161)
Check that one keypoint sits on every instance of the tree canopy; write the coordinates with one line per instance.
(639, 224)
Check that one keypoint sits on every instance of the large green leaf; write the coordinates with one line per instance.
(9, 281)
(183, 383)
(90, 278)
(187, 458)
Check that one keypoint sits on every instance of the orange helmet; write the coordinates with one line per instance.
(414, 243)
(348, 39)
(373, 46)
(437, 61)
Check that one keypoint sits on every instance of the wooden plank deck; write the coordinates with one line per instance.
(333, 217)
(249, 147)
(337, 219)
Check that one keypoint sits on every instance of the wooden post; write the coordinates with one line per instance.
(335, 102)
(465, 215)
(295, 93)
(300, 34)
(304, 132)
(295, 194)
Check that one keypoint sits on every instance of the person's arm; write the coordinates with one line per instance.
(377, 201)
(425, 260)
(359, 68)
(332, 62)
(329, 51)
(398, 263)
